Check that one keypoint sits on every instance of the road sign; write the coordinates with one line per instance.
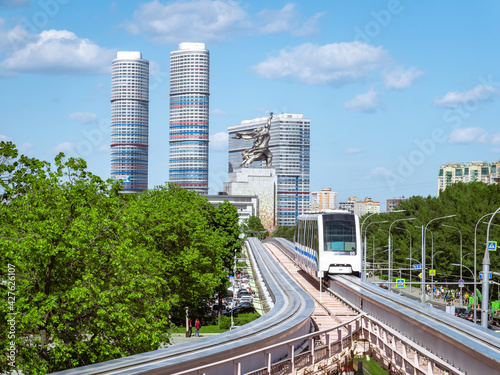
(400, 283)
(461, 283)
(492, 245)
(417, 266)
(481, 276)
(420, 275)
(432, 272)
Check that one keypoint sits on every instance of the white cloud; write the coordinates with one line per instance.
(219, 141)
(66, 147)
(336, 64)
(353, 151)
(199, 20)
(399, 78)
(286, 20)
(83, 117)
(472, 135)
(12, 39)
(377, 172)
(218, 112)
(367, 103)
(104, 148)
(57, 52)
(455, 99)
(5, 138)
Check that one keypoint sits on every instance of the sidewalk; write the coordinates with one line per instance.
(180, 338)
(416, 294)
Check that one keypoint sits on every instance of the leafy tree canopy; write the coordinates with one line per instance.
(252, 227)
(285, 232)
(469, 202)
(97, 273)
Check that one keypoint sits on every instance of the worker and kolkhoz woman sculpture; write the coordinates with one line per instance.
(260, 148)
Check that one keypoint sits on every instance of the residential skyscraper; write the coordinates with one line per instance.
(290, 147)
(189, 94)
(130, 120)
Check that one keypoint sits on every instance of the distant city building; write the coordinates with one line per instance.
(366, 206)
(325, 199)
(290, 146)
(247, 205)
(349, 205)
(359, 207)
(130, 120)
(189, 119)
(472, 171)
(392, 204)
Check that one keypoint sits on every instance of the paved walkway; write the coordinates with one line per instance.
(415, 294)
(180, 338)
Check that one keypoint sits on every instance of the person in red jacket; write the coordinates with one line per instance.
(197, 326)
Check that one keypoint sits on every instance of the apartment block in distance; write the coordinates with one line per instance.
(348, 205)
(325, 199)
(360, 207)
(130, 120)
(472, 171)
(392, 204)
(290, 146)
(189, 106)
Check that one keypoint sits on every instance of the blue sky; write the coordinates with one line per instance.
(393, 88)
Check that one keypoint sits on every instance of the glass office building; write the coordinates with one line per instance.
(189, 94)
(290, 146)
(130, 120)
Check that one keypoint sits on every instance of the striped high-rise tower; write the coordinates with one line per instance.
(129, 121)
(189, 93)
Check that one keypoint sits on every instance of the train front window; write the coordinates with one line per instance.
(340, 236)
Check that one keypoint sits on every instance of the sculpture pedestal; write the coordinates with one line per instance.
(261, 182)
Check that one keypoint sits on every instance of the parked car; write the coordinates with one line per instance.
(459, 311)
(246, 304)
(215, 309)
(240, 310)
(469, 315)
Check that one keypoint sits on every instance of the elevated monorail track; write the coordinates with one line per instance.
(329, 311)
(465, 346)
(288, 319)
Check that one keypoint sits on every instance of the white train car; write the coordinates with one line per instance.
(328, 243)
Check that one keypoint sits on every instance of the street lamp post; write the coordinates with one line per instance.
(432, 277)
(475, 262)
(410, 259)
(450, 226)
(363, 277)
(390, 247)
(473, 277)
(486, 279)
(423, 252)
(364, 258)
(410, 250)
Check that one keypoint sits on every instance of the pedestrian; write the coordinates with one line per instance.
(197, 326)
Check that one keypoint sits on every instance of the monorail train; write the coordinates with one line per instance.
(328, 243)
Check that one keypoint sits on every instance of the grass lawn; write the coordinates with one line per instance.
(371, 366)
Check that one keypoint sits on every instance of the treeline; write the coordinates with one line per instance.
(470, 203)
(98, 272)
(285, 232)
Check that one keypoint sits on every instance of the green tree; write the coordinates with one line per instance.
(83, 294)
(225, 220)
(177, 224)
(252, 227)
(285, 232)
